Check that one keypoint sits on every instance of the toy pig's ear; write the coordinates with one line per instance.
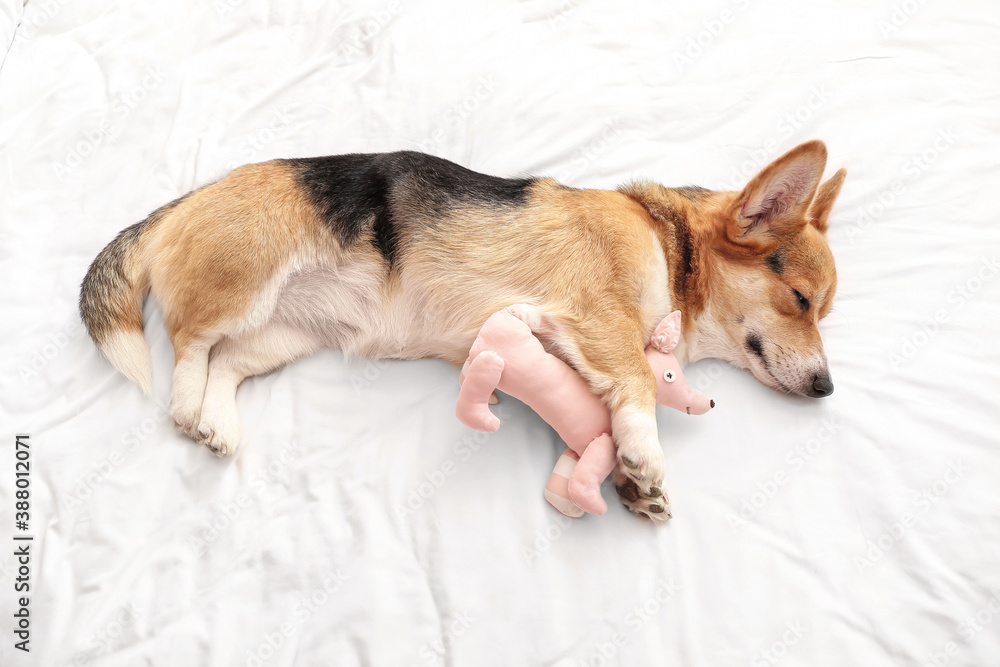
(667, 333)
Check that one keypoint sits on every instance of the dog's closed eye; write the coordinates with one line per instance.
(803, 302)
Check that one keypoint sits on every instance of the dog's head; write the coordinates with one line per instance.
(772, 276)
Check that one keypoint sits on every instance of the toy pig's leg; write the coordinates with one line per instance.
(461, 378)
(482, 378)
(595, 465)
(557, 489)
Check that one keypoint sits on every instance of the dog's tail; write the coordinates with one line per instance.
(111, 299)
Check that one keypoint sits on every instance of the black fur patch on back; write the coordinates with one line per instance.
(450, 184)
(364, 194)
(351, 194)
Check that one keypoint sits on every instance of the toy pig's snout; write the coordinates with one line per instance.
(672, 389)
(698, 404)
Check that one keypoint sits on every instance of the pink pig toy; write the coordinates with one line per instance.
(507, 356)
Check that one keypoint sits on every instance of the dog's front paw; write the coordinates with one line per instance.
(640, 470)
(642, 503)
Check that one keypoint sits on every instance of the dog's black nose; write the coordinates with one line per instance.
(822, 386)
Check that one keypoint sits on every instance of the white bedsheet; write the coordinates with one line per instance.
(361, 523)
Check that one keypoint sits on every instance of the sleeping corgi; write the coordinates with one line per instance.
(405, 255)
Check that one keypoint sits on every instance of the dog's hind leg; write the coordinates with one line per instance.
(190, 377)
(235, 359)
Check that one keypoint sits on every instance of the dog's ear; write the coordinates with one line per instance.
(774, 204)
(819, 210)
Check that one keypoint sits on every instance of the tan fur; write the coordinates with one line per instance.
(587, 283)
(214, 252)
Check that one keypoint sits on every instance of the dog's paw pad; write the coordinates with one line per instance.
(628, 490)
(656, 510)
(655, 507)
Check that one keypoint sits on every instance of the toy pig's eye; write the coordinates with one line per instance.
(669, 375)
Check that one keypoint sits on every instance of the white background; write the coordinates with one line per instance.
(856, 545)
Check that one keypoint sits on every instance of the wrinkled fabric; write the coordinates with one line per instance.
(360, 523)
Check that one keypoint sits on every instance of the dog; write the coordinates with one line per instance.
(405, 255)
